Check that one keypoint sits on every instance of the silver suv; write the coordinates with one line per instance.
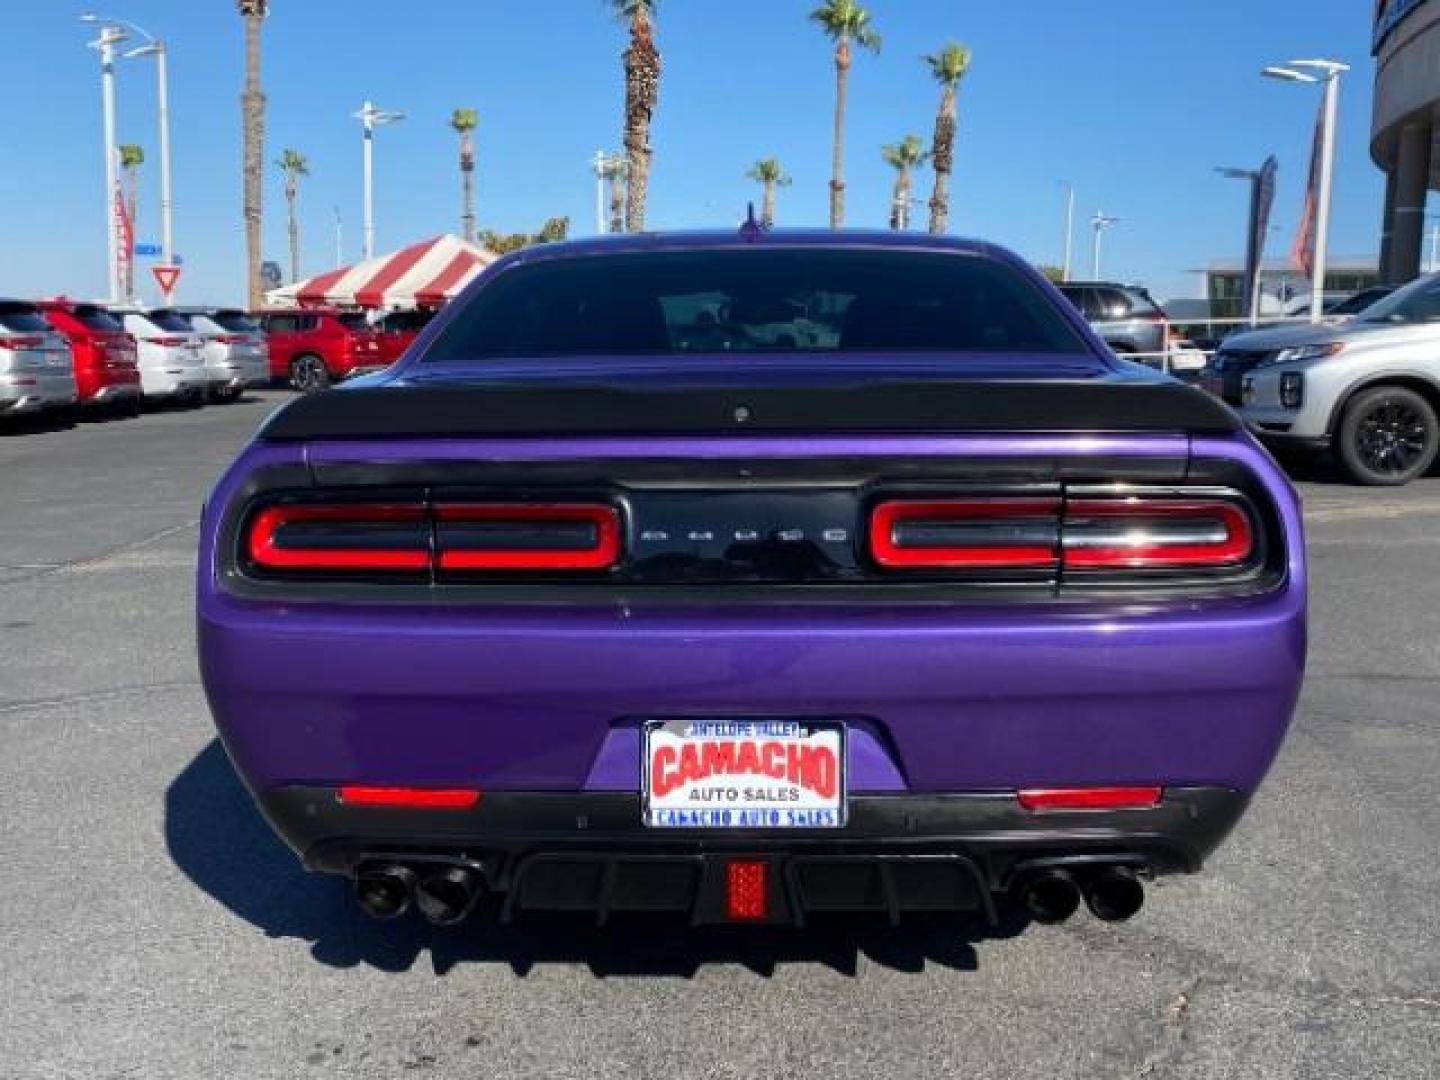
(1125, 316)
(1368, 389)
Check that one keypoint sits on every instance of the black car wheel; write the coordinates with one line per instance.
(308, 374)
(1389, 436)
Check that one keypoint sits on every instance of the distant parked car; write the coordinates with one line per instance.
(36, 371)
(1125, 316)
(1355, 303)
(171, 356)
(107, 374)
(236, 355)
(397, 329)
(1368, 389)
(313, 347)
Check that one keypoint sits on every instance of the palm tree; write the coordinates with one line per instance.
(294, 165)
(642, 91)
(907, 154)
(464, 121)
(131, 158)
(948, 66)
(771, 174)
(252, 107)
(843, 22)
(613, 170)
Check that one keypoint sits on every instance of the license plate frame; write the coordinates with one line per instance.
(811, 792)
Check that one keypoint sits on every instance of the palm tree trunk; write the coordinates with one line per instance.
(837, 158)
(944, 157)
(294, 231)
(903, 185)
(642, 85)
(767, 205)
(253, 109)
(467, 186)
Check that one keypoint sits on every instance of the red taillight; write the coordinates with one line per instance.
(746, 892)
(1091, 798)
(168, 342)
(21, 341)
(340, 537)
(445, 537)
(231, 339)
(1140, 533)
(489, 536)
(966, 533)
(410, 798)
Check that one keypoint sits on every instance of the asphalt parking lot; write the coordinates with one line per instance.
(151, 926)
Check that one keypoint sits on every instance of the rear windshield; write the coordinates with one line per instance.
(22, 319)
(237, 322)
(405, 320)
(353, 320)
(97, 318)
(172, 321)
(744, 301)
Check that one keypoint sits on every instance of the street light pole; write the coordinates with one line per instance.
(1069, 230)
(1328, 73)
(1100, 222)
(599, 162)
(110, 36)
(339, 240)
(370, 118)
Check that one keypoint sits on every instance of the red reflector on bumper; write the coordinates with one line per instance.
(746, 895)
(1099, 798)
(410, 798)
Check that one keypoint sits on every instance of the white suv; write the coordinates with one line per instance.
(236, 355)
(169, 354)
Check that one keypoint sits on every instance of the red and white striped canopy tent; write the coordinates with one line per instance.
(422, 275)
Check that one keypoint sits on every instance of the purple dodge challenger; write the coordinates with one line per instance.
(751, 577)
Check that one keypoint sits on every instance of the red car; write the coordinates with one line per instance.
(106, 373)
(398, 329)
(314, 347)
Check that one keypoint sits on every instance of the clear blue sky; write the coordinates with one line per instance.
(1134, 101)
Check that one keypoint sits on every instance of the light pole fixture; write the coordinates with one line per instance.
(1100, 222)
(153, 47)
(1327, 73)
(110, 36)
(1069, 229)
(370, 118)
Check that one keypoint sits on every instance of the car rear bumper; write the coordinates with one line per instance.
(32, 391)
(113, 392)
(896, 854)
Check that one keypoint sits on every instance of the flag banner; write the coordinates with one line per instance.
(1302, 254)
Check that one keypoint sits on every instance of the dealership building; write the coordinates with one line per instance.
(1405, 134)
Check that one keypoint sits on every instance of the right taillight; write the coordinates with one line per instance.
(1089, 533)
(1139, 533)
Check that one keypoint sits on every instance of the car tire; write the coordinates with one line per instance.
(308, 374)
(1388, 436)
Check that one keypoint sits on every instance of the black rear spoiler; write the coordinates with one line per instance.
(1121, 404)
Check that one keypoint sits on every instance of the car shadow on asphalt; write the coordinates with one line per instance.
(216, 837)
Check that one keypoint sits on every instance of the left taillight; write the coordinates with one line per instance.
(433, 538)
(370, 537)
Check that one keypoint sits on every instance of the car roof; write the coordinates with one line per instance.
(719, 240)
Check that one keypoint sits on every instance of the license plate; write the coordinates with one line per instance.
(743, 774)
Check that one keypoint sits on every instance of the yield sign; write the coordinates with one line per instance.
(165, 277)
